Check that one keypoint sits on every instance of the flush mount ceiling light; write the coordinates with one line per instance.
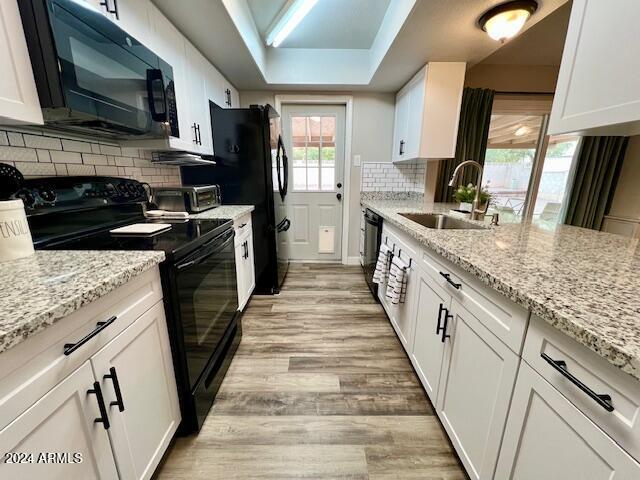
(292, 14)
(521, 131)
(504, 21)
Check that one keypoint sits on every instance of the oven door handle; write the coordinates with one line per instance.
(221, 242)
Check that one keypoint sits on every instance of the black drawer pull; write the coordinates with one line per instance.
(440, 310)
(69, 348)
(447, 277)
(103, 419)
(561, 366)
(113, 375)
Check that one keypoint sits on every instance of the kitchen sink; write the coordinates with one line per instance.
(440, 222)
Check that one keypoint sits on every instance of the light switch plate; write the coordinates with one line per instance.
(357, 161)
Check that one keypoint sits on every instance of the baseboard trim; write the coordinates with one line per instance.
(353, 260)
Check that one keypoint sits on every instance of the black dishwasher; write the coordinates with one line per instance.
(372, 239)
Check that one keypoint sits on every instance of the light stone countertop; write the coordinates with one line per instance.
(39, 290)
(225, 212)
(584, 283)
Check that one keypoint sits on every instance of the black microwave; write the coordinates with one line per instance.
(93, 77)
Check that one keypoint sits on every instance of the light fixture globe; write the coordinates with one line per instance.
(504, 21)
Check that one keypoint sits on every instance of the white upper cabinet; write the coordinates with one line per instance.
(427, 113)
(197, 67)
(19, 101)
(598, 90)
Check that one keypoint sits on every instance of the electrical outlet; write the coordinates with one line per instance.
(357, 161)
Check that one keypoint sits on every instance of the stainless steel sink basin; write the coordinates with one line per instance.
(440, 222)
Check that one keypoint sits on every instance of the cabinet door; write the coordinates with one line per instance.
(401, 314)
(414, 119)
(428, 347)
(478, 375)
(240, 274)
(143, 370)
(63, 423)
(400, 126)
(18, 96)
(250, 267)
(134, 18)
(547, 437)
(598, 83)
(198, 107)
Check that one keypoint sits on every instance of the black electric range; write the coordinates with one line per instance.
(198, 276)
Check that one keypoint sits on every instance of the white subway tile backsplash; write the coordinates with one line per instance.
(40, 141)
(15, 139)
(75, 146)
(33, 153)
(74, 169)
(65, 157)
(17, 154)
(94, 159)
(35, 169)
(392, 177)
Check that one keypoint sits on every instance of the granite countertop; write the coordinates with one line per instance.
(226, 212)
(39, 290)
(584, 283)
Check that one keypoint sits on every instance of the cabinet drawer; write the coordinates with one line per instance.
(505, 319)
(32, 368)
(596, 373)
(548, 438)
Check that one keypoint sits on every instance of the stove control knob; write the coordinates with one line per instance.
(122, 189)
(131, 188)
(48, 194)
(27, 197)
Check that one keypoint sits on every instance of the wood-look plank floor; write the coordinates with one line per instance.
(320, 388)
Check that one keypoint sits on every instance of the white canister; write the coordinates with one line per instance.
(15, 236)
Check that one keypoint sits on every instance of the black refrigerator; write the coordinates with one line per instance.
(251, 168)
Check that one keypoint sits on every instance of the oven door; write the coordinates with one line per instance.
(372, 240)
(208, 300)
(108, 79)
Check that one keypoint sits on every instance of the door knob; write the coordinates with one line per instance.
(339, 185)
(339, 196)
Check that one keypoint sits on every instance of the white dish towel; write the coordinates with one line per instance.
(397, 284)
(382, 264)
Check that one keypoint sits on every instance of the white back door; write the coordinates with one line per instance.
(314, 137)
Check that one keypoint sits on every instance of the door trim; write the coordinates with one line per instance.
(347, 101)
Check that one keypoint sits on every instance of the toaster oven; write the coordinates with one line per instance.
(187, 199)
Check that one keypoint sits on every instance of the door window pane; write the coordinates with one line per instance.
(511, 149)
(313, 179)
(553, 182)
(299, 178)
(314, 153)
(328, 179)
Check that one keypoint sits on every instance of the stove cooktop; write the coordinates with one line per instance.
(183, 237)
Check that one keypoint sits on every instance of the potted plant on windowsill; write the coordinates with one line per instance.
(465, 195)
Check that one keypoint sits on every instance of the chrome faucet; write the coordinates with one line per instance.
(475, 210)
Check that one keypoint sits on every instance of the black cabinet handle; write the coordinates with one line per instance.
(603, 400)
(401, 147)
(447, 276)
(113, 375)
(69, 348)
(103, 419)
(445, 323)
(228, 95)
(440, 310)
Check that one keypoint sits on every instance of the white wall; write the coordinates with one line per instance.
(372, 138)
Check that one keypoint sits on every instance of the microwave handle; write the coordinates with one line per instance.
(155, 75)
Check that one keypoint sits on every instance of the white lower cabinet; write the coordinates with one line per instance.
(116, 409)
(245, 268)
(138, 384)
(61, 422)
(433, 303)
(547, 437)
(478, 374)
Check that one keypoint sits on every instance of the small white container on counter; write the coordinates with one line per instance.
(15, 236)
